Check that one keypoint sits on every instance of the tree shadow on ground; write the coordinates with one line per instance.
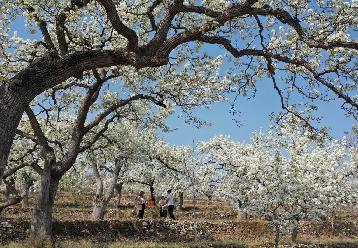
(108, 231)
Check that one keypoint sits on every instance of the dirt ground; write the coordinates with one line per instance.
(214, 221)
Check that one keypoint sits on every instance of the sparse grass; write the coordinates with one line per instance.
(128, 244)
(345, 242)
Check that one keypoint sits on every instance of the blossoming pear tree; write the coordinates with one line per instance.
(307, 48)
(72, 117)
(284, 176)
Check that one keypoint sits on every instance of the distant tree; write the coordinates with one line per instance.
(284, 176)
(351, 139)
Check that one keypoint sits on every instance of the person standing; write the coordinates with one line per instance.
(140, 205)
(163, 207)
(170, 203)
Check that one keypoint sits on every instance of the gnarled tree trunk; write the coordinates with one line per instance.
(41, 223)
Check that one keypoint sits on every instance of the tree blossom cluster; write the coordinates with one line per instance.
(284, 176)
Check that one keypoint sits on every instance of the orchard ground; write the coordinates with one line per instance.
(210, 224)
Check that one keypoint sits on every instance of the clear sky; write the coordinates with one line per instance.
(254, 113)
(254, 116)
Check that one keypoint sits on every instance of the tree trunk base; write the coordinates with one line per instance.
(98, 211)
(41, 225)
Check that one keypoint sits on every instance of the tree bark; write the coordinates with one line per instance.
(25, 199)
(152, 193)
(333, 217)
(118, 193)
(102, 199)
(12, 105)
(7, 191)
(294, 233)
(277, 235)
(26, 190)
(11, 194)
(41, 224)
(99, 209)
(181, 199)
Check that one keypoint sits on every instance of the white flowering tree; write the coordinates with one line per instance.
(284, 176)
(182, 171)
(112, 164)
(307, 48)
(72, 117)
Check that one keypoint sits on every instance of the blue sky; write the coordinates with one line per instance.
(254, 116)
(254, 113)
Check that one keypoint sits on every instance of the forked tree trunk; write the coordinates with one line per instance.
(102, 199)
(118, 193)
(181, 199)
(41, 223)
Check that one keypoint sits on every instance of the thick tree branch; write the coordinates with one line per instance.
(118, 25)
(98, 135)
(150, 14)
(51, 70)
(10, 202)
(41, 138)
(11, 171)
(60, 33)
(164, 25)
(73, 146)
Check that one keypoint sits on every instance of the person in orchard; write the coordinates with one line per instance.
(140, 204)
(163, 207)
(170, 203)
